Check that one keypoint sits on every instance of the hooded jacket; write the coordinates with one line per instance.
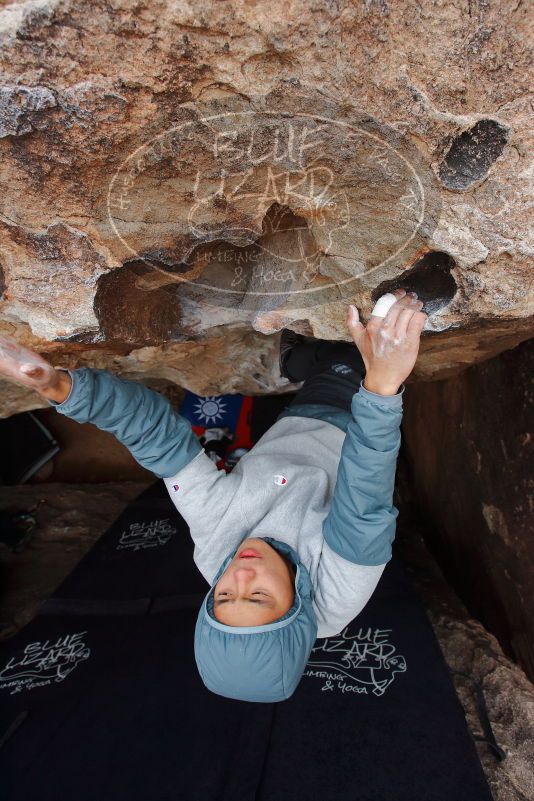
(257, 663)
(322, 485)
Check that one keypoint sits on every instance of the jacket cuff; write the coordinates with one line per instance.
(382, 400)
(78, 379)
(82, 384)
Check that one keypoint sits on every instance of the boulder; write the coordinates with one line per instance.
(190, 178)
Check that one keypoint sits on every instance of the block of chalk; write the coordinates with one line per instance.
(384, 304)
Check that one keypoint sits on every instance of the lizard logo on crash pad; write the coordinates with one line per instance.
(362, 663)
(44, 663)
(151, 534)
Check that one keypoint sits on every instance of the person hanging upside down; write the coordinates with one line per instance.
(294, 540)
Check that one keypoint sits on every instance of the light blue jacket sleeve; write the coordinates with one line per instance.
(143, 420)
(360, 525)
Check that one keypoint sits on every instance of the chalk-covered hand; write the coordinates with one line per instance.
(389, 345)
(25, 367)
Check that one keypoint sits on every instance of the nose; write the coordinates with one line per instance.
(244, 574)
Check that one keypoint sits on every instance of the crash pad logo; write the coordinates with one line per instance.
(44, 663)
(362, 663)
(140, 536)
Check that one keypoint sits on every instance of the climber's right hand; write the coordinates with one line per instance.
(389, 345)
(27, 368)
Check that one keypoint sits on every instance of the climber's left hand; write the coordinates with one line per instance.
(27, 368)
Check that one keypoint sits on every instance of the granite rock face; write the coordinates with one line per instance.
(236, 360)
(208, 173)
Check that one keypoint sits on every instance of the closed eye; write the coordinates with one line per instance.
(256, 592)
(223, 599)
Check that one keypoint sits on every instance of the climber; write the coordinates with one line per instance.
(294, 540)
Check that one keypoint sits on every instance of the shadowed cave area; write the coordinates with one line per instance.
(132, 315)
(140, 302)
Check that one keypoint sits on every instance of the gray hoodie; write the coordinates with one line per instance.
(325, 491)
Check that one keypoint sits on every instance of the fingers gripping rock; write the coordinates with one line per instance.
(23, 366)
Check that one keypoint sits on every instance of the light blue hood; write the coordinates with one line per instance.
(257, 663)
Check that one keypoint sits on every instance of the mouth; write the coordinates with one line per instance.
(248, 553)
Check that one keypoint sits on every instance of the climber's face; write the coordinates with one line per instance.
(257, 587)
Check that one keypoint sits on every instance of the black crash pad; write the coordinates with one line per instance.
(100, 699)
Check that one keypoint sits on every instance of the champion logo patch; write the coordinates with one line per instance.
(175, 487)
(280, 480)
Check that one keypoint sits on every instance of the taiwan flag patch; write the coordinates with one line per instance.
(223, 424)
(212, 411)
